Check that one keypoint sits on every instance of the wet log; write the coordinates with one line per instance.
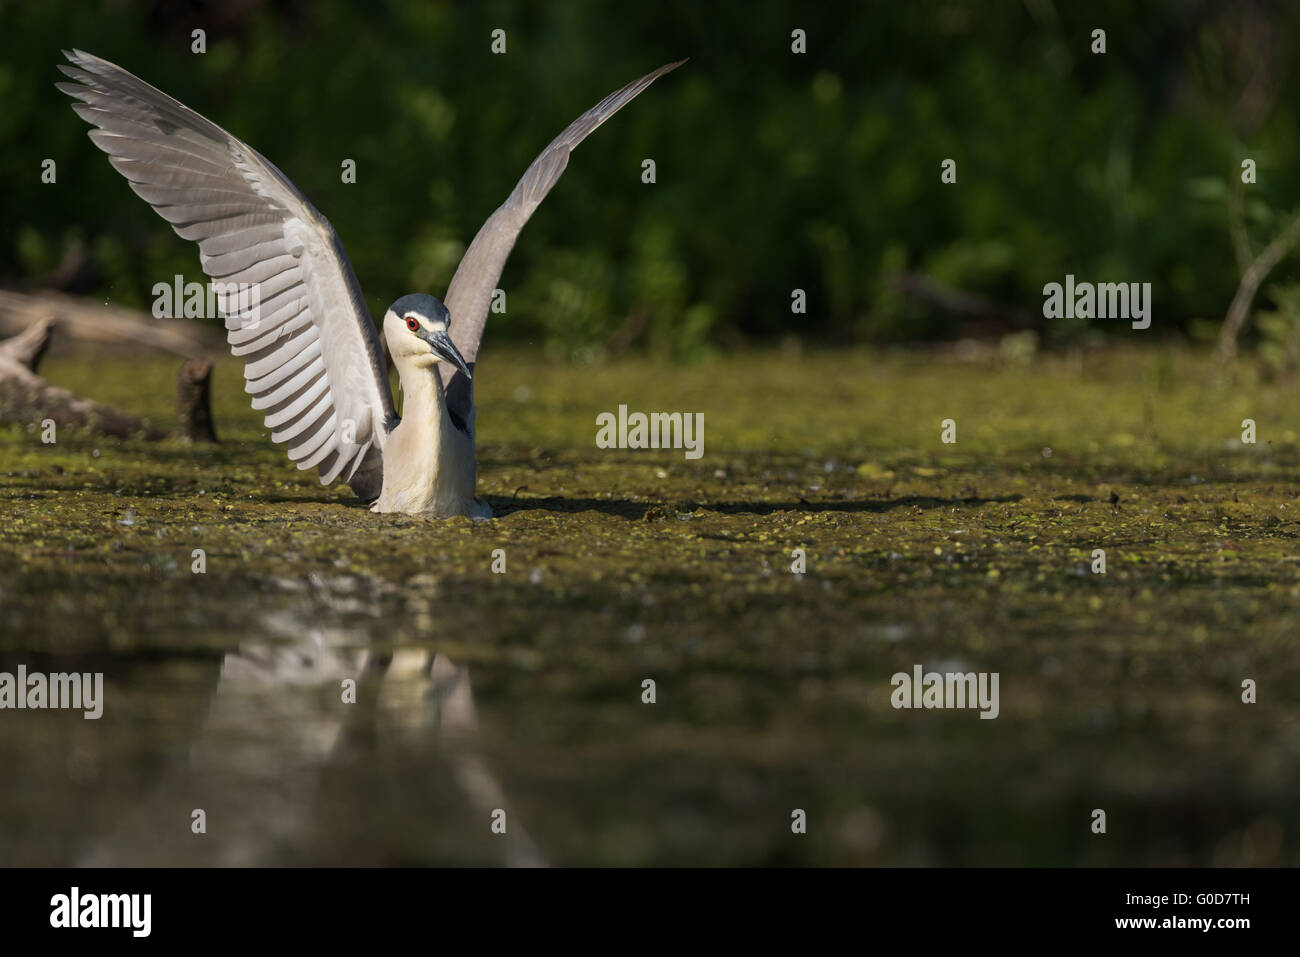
(84, 320)
(26, 397)
(28, 347)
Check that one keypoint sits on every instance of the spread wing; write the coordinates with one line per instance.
(313, 360)
(470, 292)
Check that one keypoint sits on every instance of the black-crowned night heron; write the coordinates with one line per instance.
(312, 358)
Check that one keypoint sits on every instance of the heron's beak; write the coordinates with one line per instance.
(444, 348)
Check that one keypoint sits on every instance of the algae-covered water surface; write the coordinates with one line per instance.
(291, 679)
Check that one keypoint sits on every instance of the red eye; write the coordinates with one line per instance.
(413, 324)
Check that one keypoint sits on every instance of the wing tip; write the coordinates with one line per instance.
(80, 57)
(666, 68)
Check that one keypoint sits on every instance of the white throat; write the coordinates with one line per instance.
(429, 465)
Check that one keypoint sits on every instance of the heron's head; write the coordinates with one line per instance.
(416, 328)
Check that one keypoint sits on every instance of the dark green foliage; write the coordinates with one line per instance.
(775, 171)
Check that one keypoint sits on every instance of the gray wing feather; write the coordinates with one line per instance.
(470, 292)
(313, 361)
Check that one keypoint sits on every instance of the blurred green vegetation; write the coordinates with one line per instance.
(775, 171)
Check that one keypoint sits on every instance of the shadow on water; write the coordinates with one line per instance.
(626, 508)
